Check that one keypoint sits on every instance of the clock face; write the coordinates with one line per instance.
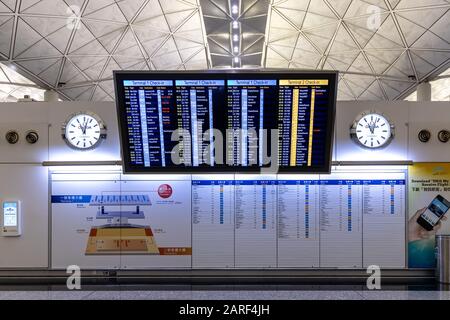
(372, 130)
(84, 131)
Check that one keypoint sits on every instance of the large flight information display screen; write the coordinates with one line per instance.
(226, 121)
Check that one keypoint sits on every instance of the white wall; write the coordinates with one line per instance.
(22, 176)
(409, 118)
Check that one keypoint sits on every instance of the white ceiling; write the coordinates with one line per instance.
(73, 45)
(14, 86)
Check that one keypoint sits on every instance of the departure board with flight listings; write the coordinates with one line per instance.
(226, 121)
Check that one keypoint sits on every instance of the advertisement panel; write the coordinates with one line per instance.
(429, 192)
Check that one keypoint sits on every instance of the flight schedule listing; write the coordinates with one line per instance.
(217, 123)
(213, 221)
(158, 109)
(150, 121)
(302, 114)
(298, 222)
(346, 220)
(248, 101)
(255, 222)
(199, 104)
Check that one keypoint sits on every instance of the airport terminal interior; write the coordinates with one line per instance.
(225, 149)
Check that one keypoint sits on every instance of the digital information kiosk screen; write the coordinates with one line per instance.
(226, 121)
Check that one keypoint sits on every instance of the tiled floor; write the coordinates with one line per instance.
(230, 293)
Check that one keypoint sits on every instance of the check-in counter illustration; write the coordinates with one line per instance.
(121, 236)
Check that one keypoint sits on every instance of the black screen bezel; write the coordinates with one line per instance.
(225, 74)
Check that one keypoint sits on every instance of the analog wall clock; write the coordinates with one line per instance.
(372, 130)
(84, 131)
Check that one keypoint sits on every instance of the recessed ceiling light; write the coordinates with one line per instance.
(234, 9)
(235, 38)
(236, 59)
(235, 24)
(236, 49)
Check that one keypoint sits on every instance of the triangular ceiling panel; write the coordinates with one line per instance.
(10, 4)
(42, 48)
(343, 42)
(99, 94)
(4, 8)
(395, 88)
(411, 31)
(157, 23)
(361, 30)
(187, 49)
(111, 13)
(373, 92)
(96, 5)
(394, 3)
(6, 24)
(60, 39)
(93, 71)
(275, 60)
(167, 56)
(151, 11)
(84, 63)
(126, 63)
(190, 30)
(401, 68)
(176, 19)
(388, 31)
(128, 46)
(170, 6)
(112, 66)
(359, 8)
(50, 75)
(110, 40)
(129, 8)
(343, 61)
(422, 66)
(425, 17)
(313, 20)
(442, 26)
(197, 62)
(38, 66)
(341, 6)
(80, 93)
(53, 29)
(407, 4)
(359, 84)
(321, 37)
(93, 47)
(381, 60)
(431, 41)
(436, 58)
(71, 74)
(282, 51)
(82, 37)
(295, 16)
(293, 4)
(278, 22)
(27, 36)
(345, 90)
(58, 8)
(107, 86)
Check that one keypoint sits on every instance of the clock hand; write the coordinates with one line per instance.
(85, 127)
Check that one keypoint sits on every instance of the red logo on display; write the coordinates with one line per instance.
(165, 191)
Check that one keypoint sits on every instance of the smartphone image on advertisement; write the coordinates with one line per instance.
(435, 211)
